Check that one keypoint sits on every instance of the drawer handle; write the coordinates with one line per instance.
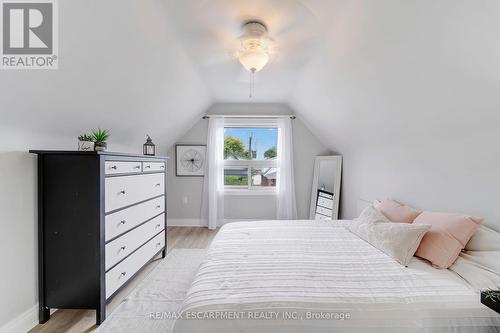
(123, 274)
(148, 166)
(122, 192)
(158, 207)
(158, 225)
(158, 184)
(123, 248)
(162, 167)
(158, 244)
(137, 167)
(113, 167)
(123, 222)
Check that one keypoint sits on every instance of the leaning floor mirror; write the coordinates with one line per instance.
(325, 192)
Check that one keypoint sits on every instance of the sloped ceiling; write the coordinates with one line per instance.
(360, 73)
(398, 71)
(209, 30)
(121, 68)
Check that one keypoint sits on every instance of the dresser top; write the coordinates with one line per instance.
(94, 153)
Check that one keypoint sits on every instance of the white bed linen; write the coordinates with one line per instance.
(303, 266)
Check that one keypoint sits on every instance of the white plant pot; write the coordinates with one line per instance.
(85, 145)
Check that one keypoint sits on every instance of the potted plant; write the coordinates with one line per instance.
(491, 298)
(85, 142)
(99, 137)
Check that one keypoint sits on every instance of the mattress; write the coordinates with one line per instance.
(316, 276)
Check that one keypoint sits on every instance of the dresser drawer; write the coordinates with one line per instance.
(153, 166)
(321, 217)
(127, 190)
(111, 167)
(324, 211)
(127, 243)
(125, 219)
(117, 276)
(324, 202)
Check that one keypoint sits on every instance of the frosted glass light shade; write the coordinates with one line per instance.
(254, 60)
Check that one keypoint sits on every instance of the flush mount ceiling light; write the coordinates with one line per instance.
(255, 49)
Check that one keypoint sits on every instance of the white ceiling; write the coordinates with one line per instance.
(402, 71)
(209, 31)
(121, 68)
(359, 73)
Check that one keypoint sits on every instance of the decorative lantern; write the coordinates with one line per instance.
(149, 147)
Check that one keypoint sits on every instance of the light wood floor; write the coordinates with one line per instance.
(79, 321)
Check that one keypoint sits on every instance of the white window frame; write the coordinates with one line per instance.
(249, 164)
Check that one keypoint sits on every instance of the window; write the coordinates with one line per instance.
(250, 157)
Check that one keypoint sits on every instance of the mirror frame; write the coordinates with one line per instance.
(336, 191)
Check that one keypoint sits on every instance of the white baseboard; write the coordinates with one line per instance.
(24, 322)
(186, 223)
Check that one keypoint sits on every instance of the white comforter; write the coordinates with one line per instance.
(314, 276)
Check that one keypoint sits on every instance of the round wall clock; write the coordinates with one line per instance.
(190, 160)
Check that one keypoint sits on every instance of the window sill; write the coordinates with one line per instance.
(245, 192)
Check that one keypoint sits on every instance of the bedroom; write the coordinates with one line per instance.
(257, 111)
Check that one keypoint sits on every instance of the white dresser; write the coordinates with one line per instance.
(324, 205)
(102, 218)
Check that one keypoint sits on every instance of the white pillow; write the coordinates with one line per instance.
(372, 215)
(479, 263)
(397, 240)
(485, 239)
(479, 269)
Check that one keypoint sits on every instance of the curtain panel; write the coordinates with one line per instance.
(286, 207)
(213, 184)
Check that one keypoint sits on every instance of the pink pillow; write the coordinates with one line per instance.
(397, 212)
(448, 235)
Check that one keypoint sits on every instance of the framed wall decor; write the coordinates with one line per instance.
(190, 160)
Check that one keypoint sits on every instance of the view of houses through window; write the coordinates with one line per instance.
(250, 157)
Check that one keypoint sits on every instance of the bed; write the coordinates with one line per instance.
(316, 276)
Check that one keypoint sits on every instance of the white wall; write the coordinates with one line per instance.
(116, 71)
(18, 236)
(184, 202)
(455, 175)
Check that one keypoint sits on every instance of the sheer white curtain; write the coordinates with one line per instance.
(286, 208)
(213, 185)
